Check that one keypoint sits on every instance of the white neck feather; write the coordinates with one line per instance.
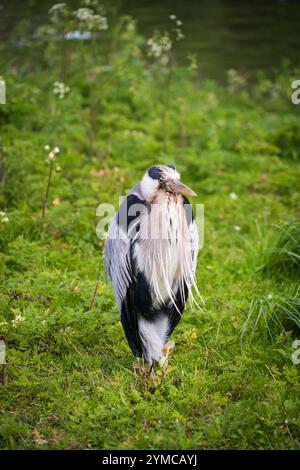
(164, 254)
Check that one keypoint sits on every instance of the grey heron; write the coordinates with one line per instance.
(150, 257)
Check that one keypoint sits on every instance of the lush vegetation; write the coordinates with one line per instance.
(114, 104)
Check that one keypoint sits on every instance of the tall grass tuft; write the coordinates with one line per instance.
(283, 256)
(272, 315)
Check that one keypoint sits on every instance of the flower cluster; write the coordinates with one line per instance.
(91, 20)
(52, 154)
(236, 81)
(56, 11)
(60, 89)
(174, 18)
(192, 58)
(159, 44)
(133, 133)
(178, 33)
(3, 217)
(17, 319)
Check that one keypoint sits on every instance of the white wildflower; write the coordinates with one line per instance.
(60, 89)
(3, 218)
(237, 228)
(18, 318)
(90, 19)
(100, 23)
(159, 44)
(192, 58)
(270, 296)
(179, 34)
(57, 10)
(233, 196)
(179, 22)
(47, 147)
(173, 17)
(131, 26)
(84, 14)
(52, 154)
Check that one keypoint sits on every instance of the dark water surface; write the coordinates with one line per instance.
(246, 35)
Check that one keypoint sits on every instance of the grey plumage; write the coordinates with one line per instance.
(117, 255)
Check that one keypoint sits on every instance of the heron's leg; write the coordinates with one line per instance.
(151, 372)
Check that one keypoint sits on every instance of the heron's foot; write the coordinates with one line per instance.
(145, 372)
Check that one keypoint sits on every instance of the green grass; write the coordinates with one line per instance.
(69, 376)
(283, 257)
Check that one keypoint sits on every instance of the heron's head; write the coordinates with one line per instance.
(163, 178)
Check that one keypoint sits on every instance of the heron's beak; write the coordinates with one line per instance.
(181, 188)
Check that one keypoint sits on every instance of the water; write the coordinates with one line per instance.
(224, 34)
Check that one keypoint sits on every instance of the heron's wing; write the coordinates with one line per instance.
(117, 260)
(123, 232)
(120, 264)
